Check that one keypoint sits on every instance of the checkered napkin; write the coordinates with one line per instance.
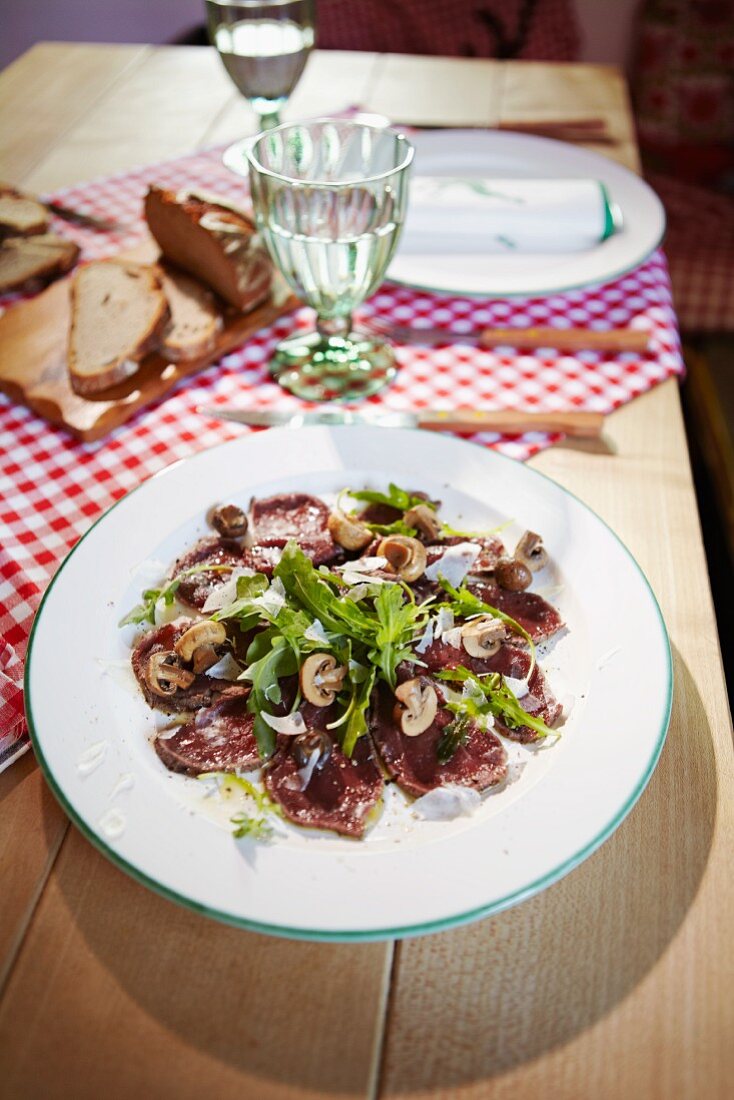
(52, 487)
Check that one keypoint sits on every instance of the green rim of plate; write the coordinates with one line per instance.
(357, 935)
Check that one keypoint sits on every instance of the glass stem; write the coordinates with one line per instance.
(269, 121)
(334, 326)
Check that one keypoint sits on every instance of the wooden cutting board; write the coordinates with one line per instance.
(33, 342)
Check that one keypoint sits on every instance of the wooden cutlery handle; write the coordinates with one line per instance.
(569, 339)
(585, 425)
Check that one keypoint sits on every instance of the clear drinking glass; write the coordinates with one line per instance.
(264, 45)
(329, 198)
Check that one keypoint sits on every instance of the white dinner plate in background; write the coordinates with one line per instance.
(487, 153)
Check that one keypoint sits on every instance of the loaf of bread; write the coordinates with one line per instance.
(119, 312)
(213, 242)
(27, 263)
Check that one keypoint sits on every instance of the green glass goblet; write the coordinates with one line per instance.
(329, 198)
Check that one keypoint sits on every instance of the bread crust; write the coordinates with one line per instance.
(126, 364)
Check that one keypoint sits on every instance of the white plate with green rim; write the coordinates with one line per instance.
(480, 154)
(91, 732)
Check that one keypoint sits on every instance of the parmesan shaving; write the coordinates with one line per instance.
(226, 669)
(291, 724)
(452, 637)
(225, 594)
(306, 772)
(426, 638)
(519, 688)
(316, 633)
(454, 563)
(273, 600)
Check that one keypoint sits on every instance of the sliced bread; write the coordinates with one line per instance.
(118, 312)
(212, 241)
(29, 262)
(195, 317)
(20, 215)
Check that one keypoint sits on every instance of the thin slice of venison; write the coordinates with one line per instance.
(480, 762)
(219, 738)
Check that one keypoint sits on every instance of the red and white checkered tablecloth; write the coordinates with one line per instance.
(52, 487)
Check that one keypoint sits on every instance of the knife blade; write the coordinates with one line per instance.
(584, 425)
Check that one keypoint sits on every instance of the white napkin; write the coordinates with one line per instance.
(470, 215)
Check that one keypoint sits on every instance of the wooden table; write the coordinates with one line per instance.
(615, 983)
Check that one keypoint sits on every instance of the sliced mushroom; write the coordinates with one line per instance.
(321, 678)
(308, 743)
(531, 552)
(405, 556)
(204, 657)
(425, 519)
(200, 635)
(348, 531)
(230, 521)
(419, 704)
(482, 637)
(164, 674)
(512, 574)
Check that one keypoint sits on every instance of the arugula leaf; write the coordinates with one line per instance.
(398, 621)
(264, 673)
(395, 497)
(256, 827)
(356, 714)
(145, 612)
(248, 589)
(253, 825)
(313, 590)
(454, 735)
(500, 700)
(464, 603)
(399, 527)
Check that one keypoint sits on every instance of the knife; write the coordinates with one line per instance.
(585, 425)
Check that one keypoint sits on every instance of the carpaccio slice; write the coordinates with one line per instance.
(202, 692)
(510, 660)
(340, 794)
(263, 559)
(297, 516)
(193, 590)
(218, 738)
(530, 610)
(480, 762)
(491, 549)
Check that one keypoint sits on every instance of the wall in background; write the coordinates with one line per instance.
(605, 24)
(25, 22)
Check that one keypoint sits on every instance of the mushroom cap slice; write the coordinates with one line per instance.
(164, 675)
(419, 705)
(425, 519)
(347, 531)
(205, 633)
(482, 637)
(405, 556)
(531, 552)
(321, 677)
